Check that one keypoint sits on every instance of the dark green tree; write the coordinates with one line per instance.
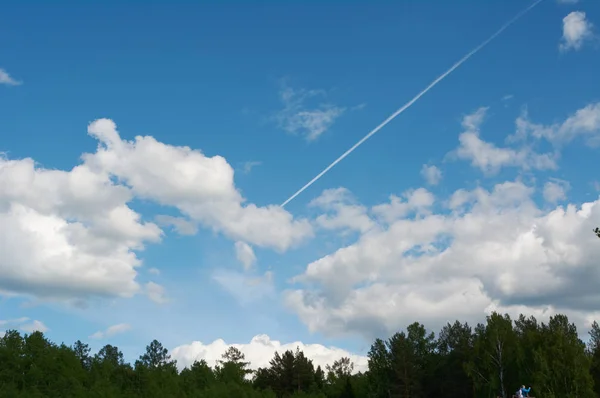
(157, 372)
(454, 350)
(594, 354)
(348, 391)
(197, 377)
(380, 370)
(562, 364)
(232, 368)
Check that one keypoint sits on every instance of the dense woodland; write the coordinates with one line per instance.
(489, 360)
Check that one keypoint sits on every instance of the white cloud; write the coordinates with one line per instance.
(245, 254)
(556, 190)
(417, 200)
(583, 123)
(567, 1)
(6, 79)
(261, 350)
(494, 249)
(34, 326)
(67, 234)
(111, 331)
(298, 118)
(179, 224)
(70, 234)
(576, 29)
(156, 293)
(432, 174)
(245, 288)
(344, 213)
(24, 324)
(154, 271)
(201, 187)
(490, 158)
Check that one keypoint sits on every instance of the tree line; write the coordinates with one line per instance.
(491, 359)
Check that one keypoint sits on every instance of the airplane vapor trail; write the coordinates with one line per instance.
(412, 101)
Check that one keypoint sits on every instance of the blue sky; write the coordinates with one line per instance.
(286, 88)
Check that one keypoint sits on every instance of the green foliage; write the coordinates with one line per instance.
(493, 359)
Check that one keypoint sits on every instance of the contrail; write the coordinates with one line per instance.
(412, 101)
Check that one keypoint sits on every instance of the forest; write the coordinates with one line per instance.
(491, 359)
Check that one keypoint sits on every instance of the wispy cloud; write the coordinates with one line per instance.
(34, 326)
(179, 224)
(248, 166)
(245, 254)
(111, 331)
(359, 107)
(576, 30)
(156, 293)
(490, 158)
(24, 324)
(300, 117)
(582, 124)
(555, 190)
(567, 1)
(6, 79)
(245, 288)
(432, 174)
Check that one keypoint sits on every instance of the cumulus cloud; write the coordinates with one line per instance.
(432, 174)
(493, 249)
(576, 30)
(24, 324)
(111, 331)
(6, 79)
(414, 201)
(342, 213)
(70, 234)
(201, 187)
(261, 350)
(297, 117)
(67, 234)
(245, 254)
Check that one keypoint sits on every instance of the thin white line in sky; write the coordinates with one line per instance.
(412, 101)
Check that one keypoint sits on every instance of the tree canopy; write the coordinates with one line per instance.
(491, 359)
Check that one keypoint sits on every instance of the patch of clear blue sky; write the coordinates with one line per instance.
(206, 76)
